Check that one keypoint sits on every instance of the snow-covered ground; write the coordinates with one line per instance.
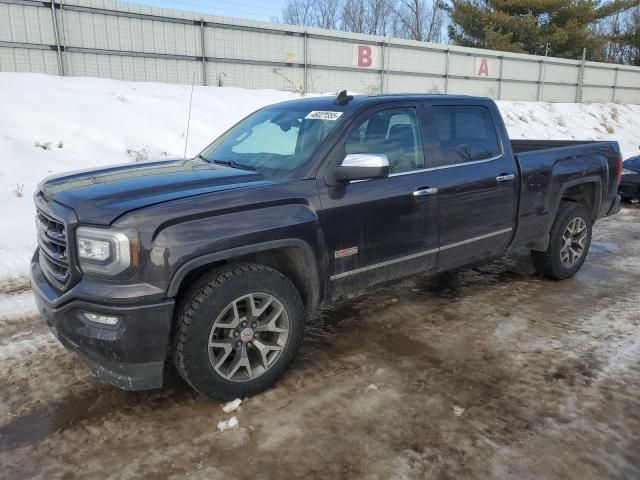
(51, 124)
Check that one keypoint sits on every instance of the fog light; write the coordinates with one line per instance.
(99, 318)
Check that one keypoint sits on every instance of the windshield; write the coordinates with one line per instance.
(273, 141)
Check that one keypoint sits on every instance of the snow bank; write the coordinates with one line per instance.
(575, 121)
(51, 124)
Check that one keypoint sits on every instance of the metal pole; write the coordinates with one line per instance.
(581, 77)
(540, 79)
(57, 37)
(305, 88)
(388, 63)
(382, 72)
(543, 74)
(204, 55)
(500, 77)
(615, 84)
(446, 73)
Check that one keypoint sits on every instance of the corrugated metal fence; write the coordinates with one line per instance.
(130, 42)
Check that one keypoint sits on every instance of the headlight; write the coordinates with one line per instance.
(626, 171)
(106, 251)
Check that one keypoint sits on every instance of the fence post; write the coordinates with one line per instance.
(500, 77)
(305, 87)
(581, 77)
(540, 80)
(382, 71)
(615, 85)
(388, 64)
(56, 33)
(543, 74)
(204, 54)
(446, 73)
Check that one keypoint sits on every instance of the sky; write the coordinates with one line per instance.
(251, 9)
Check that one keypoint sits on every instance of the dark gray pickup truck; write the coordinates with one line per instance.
(214, 263)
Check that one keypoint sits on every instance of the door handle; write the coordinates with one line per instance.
(505, 178)
(425, 192)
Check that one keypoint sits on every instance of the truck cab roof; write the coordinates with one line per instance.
(327, 102)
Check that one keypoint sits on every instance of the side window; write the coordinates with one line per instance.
(464, 134)
(394, 132)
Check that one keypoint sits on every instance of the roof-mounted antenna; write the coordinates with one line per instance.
(343, 98)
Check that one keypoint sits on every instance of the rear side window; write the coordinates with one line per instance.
(464, 134)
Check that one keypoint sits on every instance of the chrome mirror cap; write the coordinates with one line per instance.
(365, 160)
(363, 166)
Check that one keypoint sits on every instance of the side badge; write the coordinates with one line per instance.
(346, 252)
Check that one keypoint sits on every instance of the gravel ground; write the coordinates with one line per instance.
(488, 372)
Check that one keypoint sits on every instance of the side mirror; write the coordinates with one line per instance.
(362, 166)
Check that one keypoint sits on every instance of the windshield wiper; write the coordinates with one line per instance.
(232, 164)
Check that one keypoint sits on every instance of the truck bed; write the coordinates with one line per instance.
(523, 146)
(548, 168)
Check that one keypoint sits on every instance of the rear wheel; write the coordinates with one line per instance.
(239, 328)
(569, 242)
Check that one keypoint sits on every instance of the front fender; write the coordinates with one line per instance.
(179, 248)
(194, 263)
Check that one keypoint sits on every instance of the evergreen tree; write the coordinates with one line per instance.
(527, 26)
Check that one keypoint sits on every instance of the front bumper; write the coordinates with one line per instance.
(130, 355)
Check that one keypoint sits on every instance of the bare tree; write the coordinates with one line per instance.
(353, 16)
(421, 20)
(622, 34)
(298, 12)
(367, 16)
(312, 13)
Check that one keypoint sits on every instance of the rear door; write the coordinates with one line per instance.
(478, 183)
(378, 230)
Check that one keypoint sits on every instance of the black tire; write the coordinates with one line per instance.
(199, 309)
(549, 263)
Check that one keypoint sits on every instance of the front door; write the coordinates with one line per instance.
(379, 230)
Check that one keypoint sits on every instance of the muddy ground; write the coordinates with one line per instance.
(489, 372)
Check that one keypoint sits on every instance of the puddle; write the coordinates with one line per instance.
(401, 346)
(603, 247)
(90, 406)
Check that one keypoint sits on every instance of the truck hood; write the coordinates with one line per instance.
(99, 196)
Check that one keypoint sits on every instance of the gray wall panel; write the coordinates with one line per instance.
(108, 39)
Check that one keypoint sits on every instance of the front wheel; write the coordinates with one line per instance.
(569, 242)
(238, 330)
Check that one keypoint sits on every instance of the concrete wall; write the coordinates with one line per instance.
(101, 38)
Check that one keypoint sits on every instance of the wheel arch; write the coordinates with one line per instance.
(587, 191)
(292, 257)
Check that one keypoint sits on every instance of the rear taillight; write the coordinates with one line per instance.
(619, 172)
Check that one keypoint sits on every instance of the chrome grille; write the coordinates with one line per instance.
(52, 240)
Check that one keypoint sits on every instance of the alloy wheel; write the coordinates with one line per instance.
(248, 337)
(574, 241)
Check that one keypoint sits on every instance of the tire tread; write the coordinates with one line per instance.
(545, 263)
(193, 300)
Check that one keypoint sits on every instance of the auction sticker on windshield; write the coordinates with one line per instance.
(323, 115)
